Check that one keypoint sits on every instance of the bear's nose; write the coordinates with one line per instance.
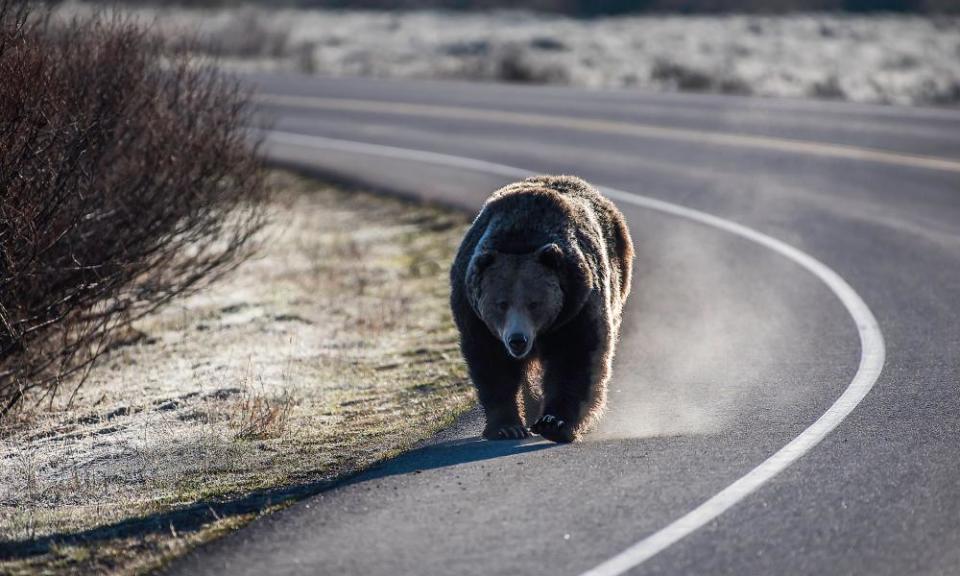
(517, 342)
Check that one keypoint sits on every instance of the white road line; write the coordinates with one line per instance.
(872, 355)
(872, 350)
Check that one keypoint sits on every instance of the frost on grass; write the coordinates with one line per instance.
(331, 350)
(886, 58)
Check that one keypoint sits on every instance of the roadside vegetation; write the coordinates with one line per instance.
(330, 350)
(188, 340)
(126, 180)
(881, 58)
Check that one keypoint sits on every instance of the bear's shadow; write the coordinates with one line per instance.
(435, 454)
(451, 453)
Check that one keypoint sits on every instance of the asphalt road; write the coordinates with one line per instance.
(733, 346)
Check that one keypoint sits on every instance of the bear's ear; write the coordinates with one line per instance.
(481, 261)
(550, 255)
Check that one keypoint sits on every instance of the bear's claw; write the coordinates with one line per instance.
(553, 428)
(512, 432)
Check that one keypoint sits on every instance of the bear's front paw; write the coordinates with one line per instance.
(553, 428)
(511, 432)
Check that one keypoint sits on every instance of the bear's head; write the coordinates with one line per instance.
(518, 296)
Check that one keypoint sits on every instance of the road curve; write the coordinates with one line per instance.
(732, 352)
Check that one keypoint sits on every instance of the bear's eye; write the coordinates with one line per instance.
(534, 305)
(502, 306)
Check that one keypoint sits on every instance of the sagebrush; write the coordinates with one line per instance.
(127, 178)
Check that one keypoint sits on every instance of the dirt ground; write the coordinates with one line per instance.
(330, 350)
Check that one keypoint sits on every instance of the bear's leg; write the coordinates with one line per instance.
(576, 369)
(531, 392)
(497, 378)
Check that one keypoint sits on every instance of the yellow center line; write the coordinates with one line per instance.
(804, 147)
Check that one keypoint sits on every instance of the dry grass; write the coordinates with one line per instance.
(259, 417)
(330, 351)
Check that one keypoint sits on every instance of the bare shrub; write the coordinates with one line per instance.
(828, 88)
(126, 179)
(513, 63)
(679, 76)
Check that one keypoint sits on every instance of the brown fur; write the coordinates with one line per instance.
(566, 371)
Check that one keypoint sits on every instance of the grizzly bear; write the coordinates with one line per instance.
(537, 291)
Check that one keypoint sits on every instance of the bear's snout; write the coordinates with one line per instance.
(518, 333)
(517, 344)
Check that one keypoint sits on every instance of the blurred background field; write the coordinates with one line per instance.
(588, 8)
(895, 52)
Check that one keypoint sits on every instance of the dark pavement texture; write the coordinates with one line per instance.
(729, 350)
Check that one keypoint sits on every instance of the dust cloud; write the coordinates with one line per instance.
(713, 323)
